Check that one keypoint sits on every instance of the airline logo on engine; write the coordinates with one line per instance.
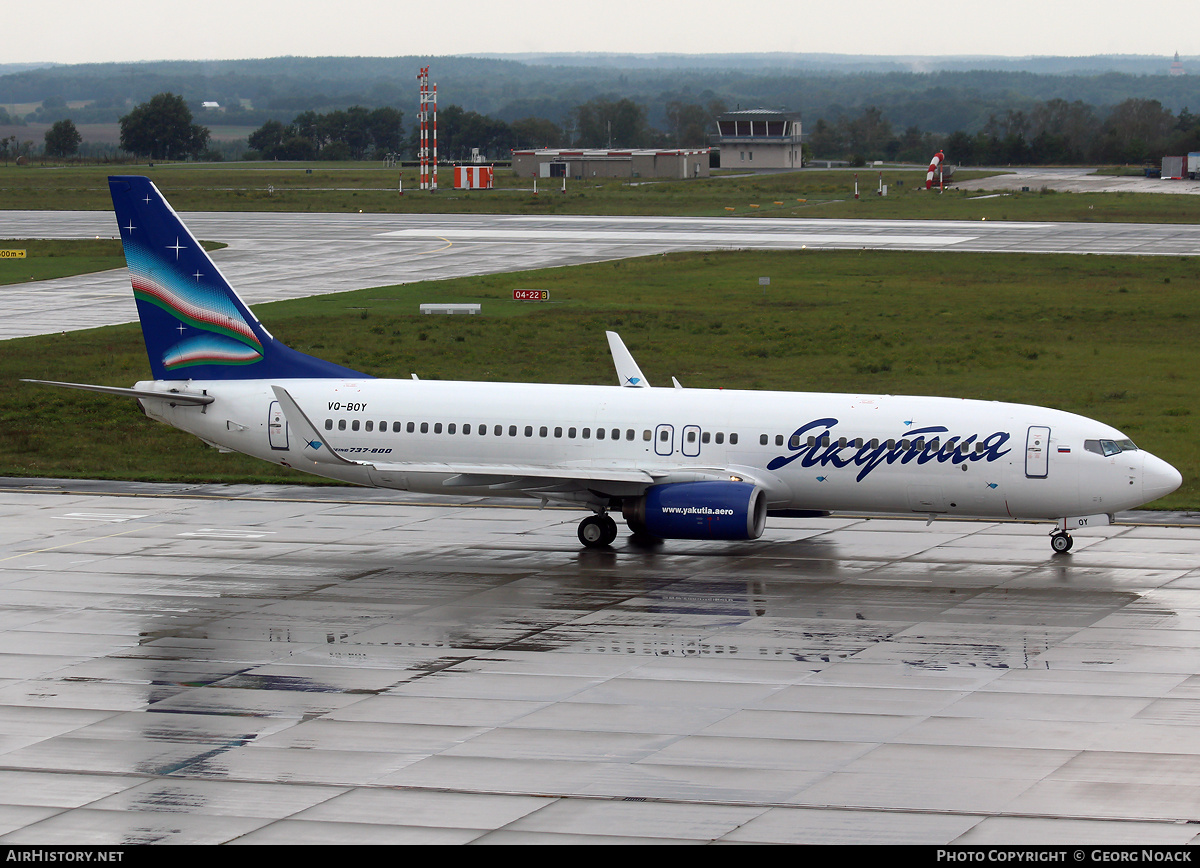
(695, 510)
(918, 446)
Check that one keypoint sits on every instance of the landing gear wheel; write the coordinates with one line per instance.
(1061, 542)
(597, 531)
(610, 529)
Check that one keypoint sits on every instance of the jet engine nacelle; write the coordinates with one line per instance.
(699, 510)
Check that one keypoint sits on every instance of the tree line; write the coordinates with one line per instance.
(1053, 132)
(1050, 132)
(942, 97)
(357, 132)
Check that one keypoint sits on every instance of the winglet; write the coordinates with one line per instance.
(628, 372)
(316, 448)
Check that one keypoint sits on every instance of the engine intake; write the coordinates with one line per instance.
(699, 510)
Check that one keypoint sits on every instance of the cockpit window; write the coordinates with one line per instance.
(1109, 447)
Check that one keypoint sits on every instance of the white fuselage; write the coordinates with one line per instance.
(809, 451)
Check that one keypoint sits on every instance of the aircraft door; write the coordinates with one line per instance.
(690, 441)
(1037, 452)
(664, 440)
(277, 429)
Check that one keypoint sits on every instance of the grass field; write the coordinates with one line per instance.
(342, 187)
(45, 260)
(1110, 337)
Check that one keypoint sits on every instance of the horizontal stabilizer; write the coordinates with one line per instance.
(170, 397)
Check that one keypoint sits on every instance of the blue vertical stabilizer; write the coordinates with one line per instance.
(194, 324)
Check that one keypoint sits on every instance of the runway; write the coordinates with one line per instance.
(212, 664)
(276, 256)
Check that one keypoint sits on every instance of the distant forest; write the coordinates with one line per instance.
(1074, 110)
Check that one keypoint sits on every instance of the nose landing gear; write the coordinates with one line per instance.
(597, 531)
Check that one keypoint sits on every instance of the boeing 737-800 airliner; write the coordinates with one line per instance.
(677, 463)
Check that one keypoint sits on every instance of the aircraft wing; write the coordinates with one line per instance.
(516, 477)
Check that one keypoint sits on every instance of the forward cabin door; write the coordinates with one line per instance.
(664, 440)
(1037, 452)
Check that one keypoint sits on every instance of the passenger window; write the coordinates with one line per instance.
(733, 440)
(450, 429)
(628, 433)
(794, 441)
(437, 427)
(370, 425)
(467, 428)
(512, 430)
(498, 430)
(543, 431)
(328, 424)
(558, 432)
(720, 437)
(341, 424)
(424, 427)
(411, 426)
(616, 433)
(599, 433)
(762, 439)
(396, 427)
(705, 437)
(528, 430)
(354, 425)
(587, 433)
(691, 436)
(571, 433)
(647, 436)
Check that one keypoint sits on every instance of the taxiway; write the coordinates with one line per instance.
(277, 256)
(216, 664)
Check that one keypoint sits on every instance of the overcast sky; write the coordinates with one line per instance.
(77, 31)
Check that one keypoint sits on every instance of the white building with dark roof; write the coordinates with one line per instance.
(759, 139)
(627, 163)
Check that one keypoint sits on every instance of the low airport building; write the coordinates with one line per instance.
(582, 164)
(756, 139)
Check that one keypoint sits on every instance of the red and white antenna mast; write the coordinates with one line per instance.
(422, 116)
(433, 184)
(428, 128)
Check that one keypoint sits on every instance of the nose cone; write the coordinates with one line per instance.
(1158, 478)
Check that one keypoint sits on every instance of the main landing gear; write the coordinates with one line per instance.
(1061, 542)
(597, 531)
